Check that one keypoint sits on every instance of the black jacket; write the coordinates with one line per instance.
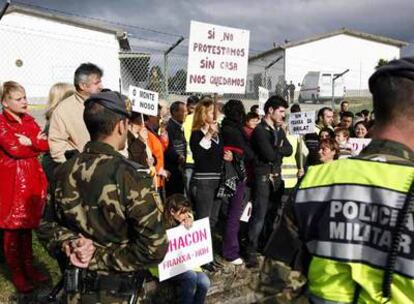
(177, 145)
(233, 135)
(269, 153)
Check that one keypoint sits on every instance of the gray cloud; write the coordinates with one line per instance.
(268, 20)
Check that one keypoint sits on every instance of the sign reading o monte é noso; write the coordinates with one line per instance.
(301, 123)
(143, 101)
(187, 249)
(217, 59)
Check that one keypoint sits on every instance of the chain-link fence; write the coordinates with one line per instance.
(39, 53)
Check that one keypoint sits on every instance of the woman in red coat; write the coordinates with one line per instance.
(23, 185)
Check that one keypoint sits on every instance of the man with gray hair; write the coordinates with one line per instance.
(67, 133)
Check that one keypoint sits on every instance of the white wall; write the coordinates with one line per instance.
(51, 51)
(337, 54)
(273, 73)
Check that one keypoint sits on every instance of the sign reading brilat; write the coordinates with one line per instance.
(143, 101)
(187, 249)
(217, 59)
(263, 97)
(358, 144)
(301, 123)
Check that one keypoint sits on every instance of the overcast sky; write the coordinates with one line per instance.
(270, 21)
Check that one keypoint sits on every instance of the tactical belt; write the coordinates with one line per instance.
(113, 283)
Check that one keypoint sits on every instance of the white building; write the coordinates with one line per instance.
(40, 48)
(333, 52)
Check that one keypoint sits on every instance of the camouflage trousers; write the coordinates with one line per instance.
(279, 279)
(102, 297)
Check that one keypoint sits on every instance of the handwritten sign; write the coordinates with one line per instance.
(263, 97)
(358, 144)
(301, 123)
(187, 249)
(217, 59)
(143, 101)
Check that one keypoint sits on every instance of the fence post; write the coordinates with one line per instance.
(166, 66)
(166, 77)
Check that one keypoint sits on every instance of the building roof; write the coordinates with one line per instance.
(345, 31)
(72, 20)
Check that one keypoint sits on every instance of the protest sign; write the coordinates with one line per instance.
(143, 101)
(358, 144)
(187, 249)
(301, 123)
(217, 59)
(263, 97)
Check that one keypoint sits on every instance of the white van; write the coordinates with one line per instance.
(317, 87)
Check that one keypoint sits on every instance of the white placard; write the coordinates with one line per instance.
(143, 101)
(247, 212)
(358, 144)
(217, 59)
(263, 97)
(187, 249)
(301, 123)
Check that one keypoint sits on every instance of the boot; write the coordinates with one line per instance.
(27, 258)
(12, 253)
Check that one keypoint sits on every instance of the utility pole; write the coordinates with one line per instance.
(268, 67)
(333, 86)
(4, 9)
(166, 66)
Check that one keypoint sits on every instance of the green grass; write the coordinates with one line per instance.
(42, 261)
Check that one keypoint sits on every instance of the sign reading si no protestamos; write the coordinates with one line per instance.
(217, 59)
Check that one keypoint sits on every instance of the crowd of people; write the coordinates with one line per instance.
(117, 179)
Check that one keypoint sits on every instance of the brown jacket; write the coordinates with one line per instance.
(67, 129)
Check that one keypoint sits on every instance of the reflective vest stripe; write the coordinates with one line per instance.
(355, 171)
(361, 254)
(358, 193)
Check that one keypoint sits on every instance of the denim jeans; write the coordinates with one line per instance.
(206, 202)
(264, 206)
(193, 287)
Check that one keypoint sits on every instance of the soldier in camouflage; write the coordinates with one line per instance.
(104, 212)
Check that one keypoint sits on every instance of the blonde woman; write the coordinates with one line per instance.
(207, 148)
(23, 185)
(57, 93)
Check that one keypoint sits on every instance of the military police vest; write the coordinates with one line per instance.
(346, 212)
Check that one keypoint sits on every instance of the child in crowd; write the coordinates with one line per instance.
(342, 137)
(194, 284)
(252, 120)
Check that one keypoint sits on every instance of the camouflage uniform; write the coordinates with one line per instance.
(111, 201)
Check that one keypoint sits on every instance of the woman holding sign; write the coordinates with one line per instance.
(194, 284)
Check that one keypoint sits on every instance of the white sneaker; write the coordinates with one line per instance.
(237, 262)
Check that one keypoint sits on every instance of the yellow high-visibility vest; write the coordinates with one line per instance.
(346, 211)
